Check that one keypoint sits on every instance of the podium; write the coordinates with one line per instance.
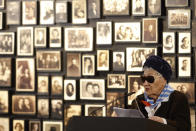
(78, 123)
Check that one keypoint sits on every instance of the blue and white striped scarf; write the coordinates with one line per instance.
(164, 96)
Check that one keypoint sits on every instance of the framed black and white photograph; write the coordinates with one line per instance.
(79, 12)
(69, 89)
(56, 85)
(138, 7)
(46, 12)
(154, 7)
(4, 102)
(94, 9)
(1, 20)
(88, 65)
(25, 41)
(116, 81)
(18, 125)
(176, 3)
(42, 84)
(57, 108)
(169, 42)
(2, 4)
(95, 110)
(40, 36)
(184, 66)
(61, 12)
(184, 42)
(127, 32)
(13, 12)
(172, 62)
(115, 7)
(150, 30)
(92, 89)
(103, 60)
(55, 37)
(4, 123)
(7, 42)
(5, 72)
(118, 61)
(29, 12)
(104, 33)
(135, 57)
(78, 39)
(52, 126)
(73, 64)
(43, 107)
(179, 18)
(34, 125)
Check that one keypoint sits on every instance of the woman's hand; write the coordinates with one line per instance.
(156, 118)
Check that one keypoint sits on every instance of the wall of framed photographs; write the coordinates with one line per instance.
(60, 58)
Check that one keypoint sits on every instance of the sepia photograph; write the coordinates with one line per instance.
(118, 61)
(7, 43)
(57, 108)
(169, 42)
(88, 65)
(13, 12)
(69, 89)
(172, 62)
(48, 60)
(192, 116)
(79, 12)
(104, 33)
(150, 30)
(116, 81)
(5, 72)
(128, 32)
(78, 39)
(1, 20)
(24, 104)
(29, 12)
(95, 110)
(55, 36)
(34, 125)
(115, 7)
(4, 102)
(193, 32)
(94, 9)
(138, 7)
(92, 89)
(73, 64)
(137, 56)
(176, 3)
(184, 42)
(61, 12)
(103, 60)
(2, 4)
(56, 85)
(25, 74)
(43, 107)
(42, 84)
(46, 12)
(4, 124)
(25, 41)
(52, 126)
(154, 7)
(184, 66)
(179, 18)
(40, 36)
(18, 125)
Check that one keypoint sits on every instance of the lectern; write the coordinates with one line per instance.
(77, 123)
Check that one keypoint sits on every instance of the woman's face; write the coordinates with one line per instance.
(135, 86)
(70, 88)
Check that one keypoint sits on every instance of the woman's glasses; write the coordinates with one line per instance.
(149, 79)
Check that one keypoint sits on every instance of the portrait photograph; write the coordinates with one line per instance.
(69, 89)
(55, 36)
(104, 33)
(43, 107)
(94, 9)
(118, 61)
(138, 7)
(135, 57)
(150, 29)
(115, 7)
(184, 66)
(4, 102)
(7, 43)
(4, 124)
(57, 108)
(18, 125)
(116, 81)
(5, 72)
(29, 11)
(95, 110)
(40, 36)
(79, 12)
(169, 42)
(48, 60)
(73, 64)
(88, 65)
(184, 42)
(42, 84)
(187, 88)
(23, 104)
(78, 39)
(172, 62)
(179, 18)
(128, 32)
(56, 85)
(25, 41)
(13, 12)
(61, 12)
(176, 3)
(92, 89)
(52, 126)
(34, 125)
(2, 4)
(154, 7)
(103, 60)
(46, 12)
(25, 74)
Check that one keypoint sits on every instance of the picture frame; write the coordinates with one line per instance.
(42, 84)
(116, 81)
(9, 38)
(1, 20)
(61, 12)
(150, 30)
(55, 37)
(104, 33)
(176, 3)
(172, 62)
(92, 89)
(88, 65)
(5, 123)
(110, 7)
(6, 72)
(154, 7)
(25, 74)
(52, 125)
(52, 58)
(184, 66)
(103, 60)
(135, 63)
(73, 64)
(91, 110)
(138, 7)
(24, 104)
(192, 116)
(47, 12)
(179, 18)
(78, 38)
(56, 85)
(127, 32)
(184, 42)
(2, 4)
(25, 41)
(18, 124)
(4, 97)
(40, 36)
(57, 108)
(94, 9)
(43, 107)
(193, 33)
(69, 89)
(169, 42)
(34, 125)
(118, 61)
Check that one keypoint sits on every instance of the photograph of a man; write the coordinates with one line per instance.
(118, 58)
(150, 31)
